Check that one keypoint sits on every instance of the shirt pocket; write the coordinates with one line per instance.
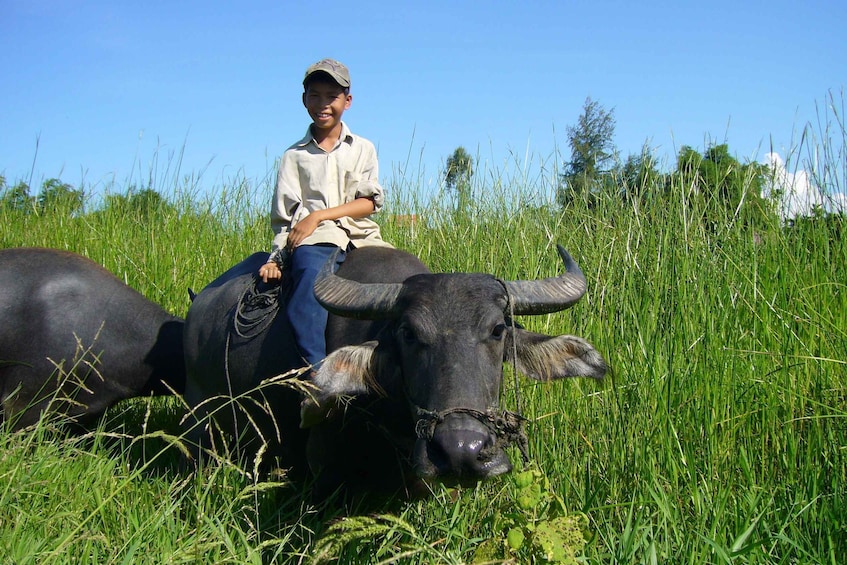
(351, 185)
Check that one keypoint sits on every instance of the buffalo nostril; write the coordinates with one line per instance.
(462, 452)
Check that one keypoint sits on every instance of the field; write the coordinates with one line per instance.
(720, 435)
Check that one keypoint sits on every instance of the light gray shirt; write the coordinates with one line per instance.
(310, 179)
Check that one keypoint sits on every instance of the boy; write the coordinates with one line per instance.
(326, 188)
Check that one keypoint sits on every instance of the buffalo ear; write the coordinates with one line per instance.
(346, 372)
(542, 357)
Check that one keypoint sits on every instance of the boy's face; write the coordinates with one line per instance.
(326, 102)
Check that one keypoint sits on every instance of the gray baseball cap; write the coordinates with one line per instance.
(333, 68)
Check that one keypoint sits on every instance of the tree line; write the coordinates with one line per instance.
(57, 196)
(718, 184)
(594, 169)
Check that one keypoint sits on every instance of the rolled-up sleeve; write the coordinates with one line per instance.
(368, 185)
(368, 189)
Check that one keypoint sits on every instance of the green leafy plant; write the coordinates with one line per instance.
(534, 526)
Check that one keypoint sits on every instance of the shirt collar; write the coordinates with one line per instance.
(346, 135)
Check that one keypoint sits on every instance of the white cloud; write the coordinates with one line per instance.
(839, 203)
(798, 195)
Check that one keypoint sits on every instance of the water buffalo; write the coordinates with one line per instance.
(75, 340)
(411, 387)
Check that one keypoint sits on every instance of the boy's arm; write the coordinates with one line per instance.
(358, 208)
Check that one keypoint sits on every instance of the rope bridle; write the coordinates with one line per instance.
(506, 426)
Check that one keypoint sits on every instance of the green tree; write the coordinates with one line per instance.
(688, 165)
(138, 204)
(639, 177)
(457, 176)
(592, 153)
(725, 190)
(16, 198)
(57, 196)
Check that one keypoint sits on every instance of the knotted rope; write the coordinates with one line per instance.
(256, 309)
(507, 427)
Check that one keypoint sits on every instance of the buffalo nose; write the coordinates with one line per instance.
(466, 453)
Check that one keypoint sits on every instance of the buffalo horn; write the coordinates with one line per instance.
(378, 300)
(548, 295)
(354, 299)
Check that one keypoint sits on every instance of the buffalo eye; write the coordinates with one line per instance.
(408, 335)
(499, 331)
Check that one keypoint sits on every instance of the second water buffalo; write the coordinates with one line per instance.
(74, 339)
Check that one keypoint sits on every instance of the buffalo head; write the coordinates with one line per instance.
(442, 354)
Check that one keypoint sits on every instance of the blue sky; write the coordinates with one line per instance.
(107, 88)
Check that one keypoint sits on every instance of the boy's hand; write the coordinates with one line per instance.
(303, 229)
(270, 272)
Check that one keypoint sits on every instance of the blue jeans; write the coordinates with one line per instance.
(308, 318)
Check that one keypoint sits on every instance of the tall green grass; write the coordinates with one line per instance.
(720, 435)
